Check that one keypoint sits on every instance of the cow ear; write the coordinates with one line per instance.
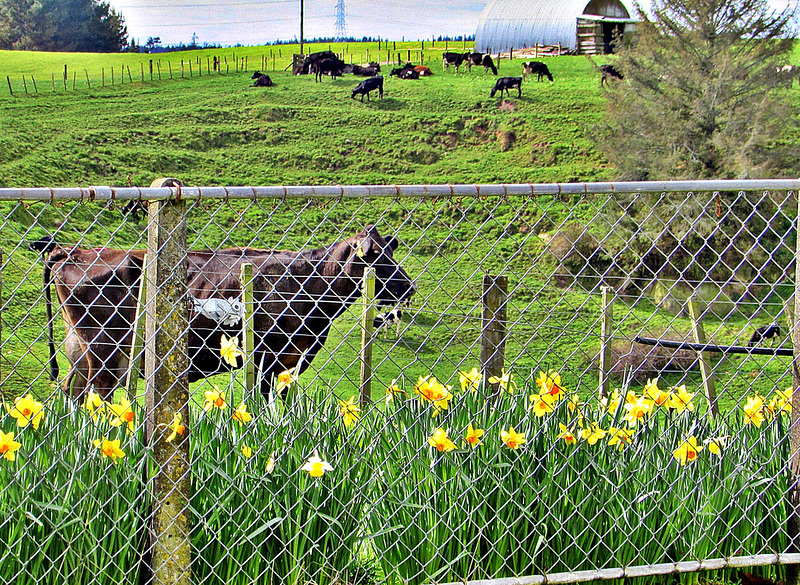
(362, 247)
(392, 243)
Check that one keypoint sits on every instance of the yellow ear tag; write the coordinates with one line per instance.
(359, 250)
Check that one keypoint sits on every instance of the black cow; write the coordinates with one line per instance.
(332, 67)
(763, 333)
(506, 84)
(536, 68)
(454, 59)
(297, 296)
(488, 64)
(476, 58)
(367, 86)
(398, 71)
(370, 70)
(609, 72)
(261, 80)
(312, 59)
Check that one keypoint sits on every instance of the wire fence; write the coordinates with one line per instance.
(386, 384)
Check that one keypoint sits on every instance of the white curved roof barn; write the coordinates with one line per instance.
(507, 24)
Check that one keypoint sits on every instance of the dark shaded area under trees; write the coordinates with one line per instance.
(62, 25)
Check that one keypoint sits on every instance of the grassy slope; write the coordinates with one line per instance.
(217, 130)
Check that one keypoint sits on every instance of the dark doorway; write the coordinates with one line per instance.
(612, 35)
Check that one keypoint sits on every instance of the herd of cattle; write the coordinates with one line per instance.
(327, 63)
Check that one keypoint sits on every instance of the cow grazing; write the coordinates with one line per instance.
(609, 73)
(536, 68)
(332, 67)
(456, 59)
(506, 84)
(488, 64)
(135, 209)
(367, 86)
(261, 80)
(476, 58)
(771, 332)
(382, 321)
(297, 296)
(310, 61)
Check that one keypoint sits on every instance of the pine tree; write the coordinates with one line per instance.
(702, 96)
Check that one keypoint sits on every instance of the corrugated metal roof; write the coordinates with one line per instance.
(505, 24)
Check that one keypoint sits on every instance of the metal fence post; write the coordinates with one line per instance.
(606, 325)
(706, 371)
(367, 318)
(166, 370)
(493, 326)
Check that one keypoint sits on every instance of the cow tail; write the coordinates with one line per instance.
(46, 281)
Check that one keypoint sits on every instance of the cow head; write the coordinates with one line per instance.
(392, 283)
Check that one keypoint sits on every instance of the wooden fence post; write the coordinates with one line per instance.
(248, 325)
(793, 497)
(606, 327)
(367, 318)
(706, 370)
(166, 368)
(137, 343)
(493, 326)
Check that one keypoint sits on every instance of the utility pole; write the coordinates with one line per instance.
(302, 12)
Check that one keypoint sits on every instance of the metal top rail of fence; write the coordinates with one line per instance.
(222, 395)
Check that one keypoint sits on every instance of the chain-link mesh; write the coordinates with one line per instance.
(450, 472)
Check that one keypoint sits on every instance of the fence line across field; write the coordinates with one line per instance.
(162, 321)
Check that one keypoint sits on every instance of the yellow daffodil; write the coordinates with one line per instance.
(441, 441)
(94, 404)
(505, 381)
(8, 446)
(110, 449)
(656, 394)
(393, 390)
(350, 411)
(714, 446)
(271, 463)
(619, 437)
(241, 415)
(542, 404)
(574, 403)
(285, 379)
(638, 411)
(512, 439)
(214, 399)
(566, 434)
(229, 350)
(431, 390)
(121, 414)
(27, 411)
(247, 451)
(680, 399)
(611, 403)
(782, 401)
(688, 451)
(469, 380)
(176, 427)
(592, 434)
(550, 383)
(473, 436)
(754, 410)
(315, 466)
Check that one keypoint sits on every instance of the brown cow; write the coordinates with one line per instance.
(297, 296)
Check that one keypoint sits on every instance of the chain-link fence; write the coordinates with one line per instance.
(397, 384)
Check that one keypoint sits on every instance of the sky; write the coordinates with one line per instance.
(258, 22)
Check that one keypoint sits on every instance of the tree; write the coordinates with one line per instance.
(702, 96)
(61, 25)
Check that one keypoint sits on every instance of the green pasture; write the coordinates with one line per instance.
(216, 129)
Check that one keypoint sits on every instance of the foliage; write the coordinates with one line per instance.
(61, 25)
(702, 96)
